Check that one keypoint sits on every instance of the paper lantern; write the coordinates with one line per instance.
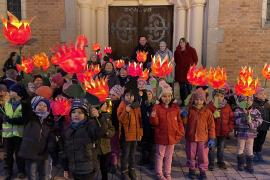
(71, 58)
(266, 71)
(108, 50)
(26, 66)
(119, 63)
(134, 69)
(97, 87)
(141, 56)
(197, 77)
(246, 84)
(61, 106)
(41, 60)
(161, 68)
(15, 31)
(217, 78)
(96, 47)
(90, 72)
(144, 75)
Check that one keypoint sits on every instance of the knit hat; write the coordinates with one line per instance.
(148, 87)
(199, 94)
(44, 91)
(58, 79)
(117, 91)
(165, 89)
(218, 91)
(80, 104)
(19, 89)
(37, 99)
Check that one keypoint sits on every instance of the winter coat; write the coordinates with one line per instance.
(183, 61)
(104, 143)
(80, 148)
(115, 121)
(225, 123)
(168, 125)
(200, 125)
(36, 135)
(148, 129)
(243, 130)
(146, 48)
(264, 108)
(131, 122)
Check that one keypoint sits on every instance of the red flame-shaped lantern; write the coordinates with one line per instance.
(41, 60)
(108, 50)
(119, 63)
(61, 106)
(26, 66)
(134, 69)
(266, 71)
(217, 78)
(98, 88)
(161, 68)
(246, 85)
(15, 31)
(72, 59)
(96, 47)
(145, 74)
(141, 56)
(88, 74)
(197, 77)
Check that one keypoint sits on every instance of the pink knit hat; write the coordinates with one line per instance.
(165, 89)
(117, 91)
(199, 94)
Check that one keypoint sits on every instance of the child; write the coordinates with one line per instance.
(109, 73)
(261, 103)
(165, 117)
(13, 130)
(247, 119)
(148, 130)
(200, 134)
(79, 142)
(224, 123)
(142, 92)
(115, 94)
(34, 147)
(129, 116)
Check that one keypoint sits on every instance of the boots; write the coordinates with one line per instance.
(192, 174)
(132, 174)
(241, 162)
(124, 175)
(249, 166)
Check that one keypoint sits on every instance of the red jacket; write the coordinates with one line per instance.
(168, 124)
(225, 124)
(183, 61)
(200, 125)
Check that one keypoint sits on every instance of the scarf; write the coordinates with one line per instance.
(76, 125)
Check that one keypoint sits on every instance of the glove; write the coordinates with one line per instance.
(216, 114)
(184, 113)
(211, 143)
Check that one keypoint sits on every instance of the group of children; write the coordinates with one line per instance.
(144, 115)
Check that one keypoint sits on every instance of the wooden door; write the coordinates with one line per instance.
(126, 24)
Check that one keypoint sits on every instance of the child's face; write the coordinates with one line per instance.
(149, 96)
(219, 97)
(166, 98)
(41, 107)
(141, 85)
(77, 115)
(198, 102)
(108, 67)
(53, 85)
(261, 96)
(129, 98)
(94, 58)
(13, 95)
(123, 73)
(38, 82)
(249, 101)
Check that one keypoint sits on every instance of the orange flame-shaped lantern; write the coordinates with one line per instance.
(61, 106)
(145, 74)
(72, 59)
(88, 74)
(96, 47)
(98, 88)
(161, 68)
(26, 66)
(119, 63)
(197, 77)
(108, 50)
(141, 56)
(246, 85)
(217, 77)
(41, 60)
(134, 69)
(15, 31)
(266, 71)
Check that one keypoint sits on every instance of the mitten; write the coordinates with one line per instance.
(211, 143)
(216, 114)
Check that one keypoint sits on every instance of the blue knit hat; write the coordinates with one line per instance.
(80, 104)
(37, 99)
(19, 89)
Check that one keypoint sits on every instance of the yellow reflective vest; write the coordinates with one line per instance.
(12, 130)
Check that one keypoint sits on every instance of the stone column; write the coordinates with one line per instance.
(196, 26)
(101, 26)
(3, 8)
(180, 29)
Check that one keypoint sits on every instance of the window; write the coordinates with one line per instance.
(14, 6)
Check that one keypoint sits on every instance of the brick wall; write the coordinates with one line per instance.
(46, 27)
(245, 41)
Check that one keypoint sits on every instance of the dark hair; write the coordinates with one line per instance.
(183, 40)
(142, 35)
(12, 54)
(130, 91)
(37, 76)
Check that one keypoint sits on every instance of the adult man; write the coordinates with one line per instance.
(184, 56)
